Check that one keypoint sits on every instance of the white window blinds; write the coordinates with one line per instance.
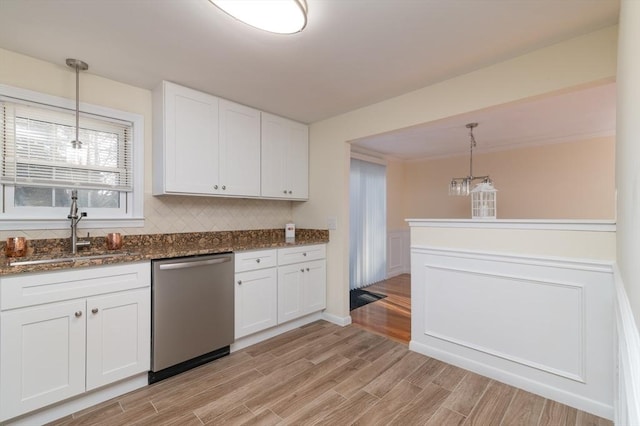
(367, 223)
(37, 150)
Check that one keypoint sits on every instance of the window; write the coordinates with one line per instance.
(42, 162)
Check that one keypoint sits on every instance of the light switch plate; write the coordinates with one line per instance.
(332, 223)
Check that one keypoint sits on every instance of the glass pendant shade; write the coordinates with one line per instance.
(276, 16)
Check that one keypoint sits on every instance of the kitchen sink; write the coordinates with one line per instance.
(69, 259)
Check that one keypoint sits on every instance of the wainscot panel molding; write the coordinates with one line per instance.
(627, 401)
(398, 253)
(542, 324)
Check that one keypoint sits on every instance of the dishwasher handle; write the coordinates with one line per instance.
(194, 263)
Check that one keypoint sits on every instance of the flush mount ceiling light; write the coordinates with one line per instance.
(276, 16)
(462, 185)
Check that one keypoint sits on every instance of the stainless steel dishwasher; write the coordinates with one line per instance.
(192, 312)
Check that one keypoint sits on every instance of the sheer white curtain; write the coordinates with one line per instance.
(368, 223)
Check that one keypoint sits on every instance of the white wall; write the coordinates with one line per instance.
(628, 152)
(572, 63)
(628, 185)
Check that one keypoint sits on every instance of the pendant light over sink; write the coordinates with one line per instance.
(276, 16)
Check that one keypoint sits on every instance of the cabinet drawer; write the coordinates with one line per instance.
(287, 256)
(34, 289)
(252, 260)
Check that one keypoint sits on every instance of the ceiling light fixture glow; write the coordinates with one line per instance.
(276, 16)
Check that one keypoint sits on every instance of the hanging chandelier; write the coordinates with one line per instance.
(462, 185)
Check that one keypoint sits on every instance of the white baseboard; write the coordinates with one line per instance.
(334, 319)
(518, 381)
(81, 402)
(627, 398)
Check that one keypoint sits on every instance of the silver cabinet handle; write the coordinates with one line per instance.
(257, 260)
(224, 187)
(304, 254)
(94, 311)
(194, 263)
(215, 186)
(289, 192)
(307, 269)
(302, 270)
(284, 192)
(239, 282)
(78, 314)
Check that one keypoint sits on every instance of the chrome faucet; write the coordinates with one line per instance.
(75, 218)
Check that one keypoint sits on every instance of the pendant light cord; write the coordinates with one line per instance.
(78, 65)
(76, 142)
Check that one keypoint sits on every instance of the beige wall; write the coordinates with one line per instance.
(593, 245)
(576, 62)
(396, 196)
(162, 214)
(573, 180)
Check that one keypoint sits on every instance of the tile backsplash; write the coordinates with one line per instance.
(172, 214)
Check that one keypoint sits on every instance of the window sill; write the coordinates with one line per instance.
(24, 224)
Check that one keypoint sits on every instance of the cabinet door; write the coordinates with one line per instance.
(239, 150)
(42, 358)
(298, 161)
(285, 158)
(315, 286)
(191, 140)
(118, 336)
(290, 296)
(256, 301)
(274, 157)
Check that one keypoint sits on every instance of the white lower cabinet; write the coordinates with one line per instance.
(268, 295)
(301, 289)
(52, 351)
(42, 356)
(117, 336)
(256, 301)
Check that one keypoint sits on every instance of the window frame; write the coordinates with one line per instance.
(12, 218)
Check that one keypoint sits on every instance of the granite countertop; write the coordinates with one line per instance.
(153, 246)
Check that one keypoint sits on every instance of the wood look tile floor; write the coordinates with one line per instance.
(323, 374)
(391, 316)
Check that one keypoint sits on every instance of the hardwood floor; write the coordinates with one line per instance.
(391, 316)
(323, 374)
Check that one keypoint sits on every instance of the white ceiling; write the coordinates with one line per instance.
(351, 54)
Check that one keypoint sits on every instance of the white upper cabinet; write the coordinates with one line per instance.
(239, 149)
(285, 158)
(185, 141)
(203, 145)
